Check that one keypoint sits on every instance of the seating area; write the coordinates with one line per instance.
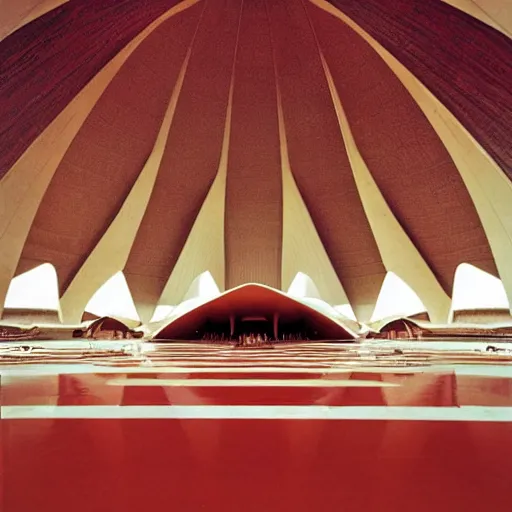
(252, 339)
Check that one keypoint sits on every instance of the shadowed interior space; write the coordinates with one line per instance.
(254, 310)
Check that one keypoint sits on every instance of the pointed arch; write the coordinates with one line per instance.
(303, 286)
(111, 252)
(117, 138)
(198, 122)
(314, 141)
(396, 298)
(377, 116)
(114, 299)
(475, 289)
(37, 289)
(203, 286)
(488, 185)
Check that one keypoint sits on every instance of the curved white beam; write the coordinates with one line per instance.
(398, 253)
(204, 249)
(302, 249)
(111, 253)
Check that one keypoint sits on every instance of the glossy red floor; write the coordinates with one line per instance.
(219, 436)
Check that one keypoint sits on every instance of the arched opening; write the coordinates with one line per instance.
(478, 296)
(33, 297)
(203, 286)
(396, 298)
(258, 310)
(113, 299)
(303, 286)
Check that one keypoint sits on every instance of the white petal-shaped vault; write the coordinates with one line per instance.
(475, 289)
(113, 299)
(396, 298)
(36, 289)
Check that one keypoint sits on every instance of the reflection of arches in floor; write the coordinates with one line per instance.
(144, 395)
(421, 390)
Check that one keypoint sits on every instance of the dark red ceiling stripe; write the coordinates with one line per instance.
(47, 62)
(464, 62)
(253, 226)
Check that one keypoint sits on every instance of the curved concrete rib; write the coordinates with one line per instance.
(302, 249)
(495, 13)
(16, 13)
(111, 253)
(487, 184)
(204, 248)
(398, 252)
(191, 158)
(24, 185)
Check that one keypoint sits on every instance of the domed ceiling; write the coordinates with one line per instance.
(255, 139)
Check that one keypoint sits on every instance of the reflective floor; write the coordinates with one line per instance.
(302, 427)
